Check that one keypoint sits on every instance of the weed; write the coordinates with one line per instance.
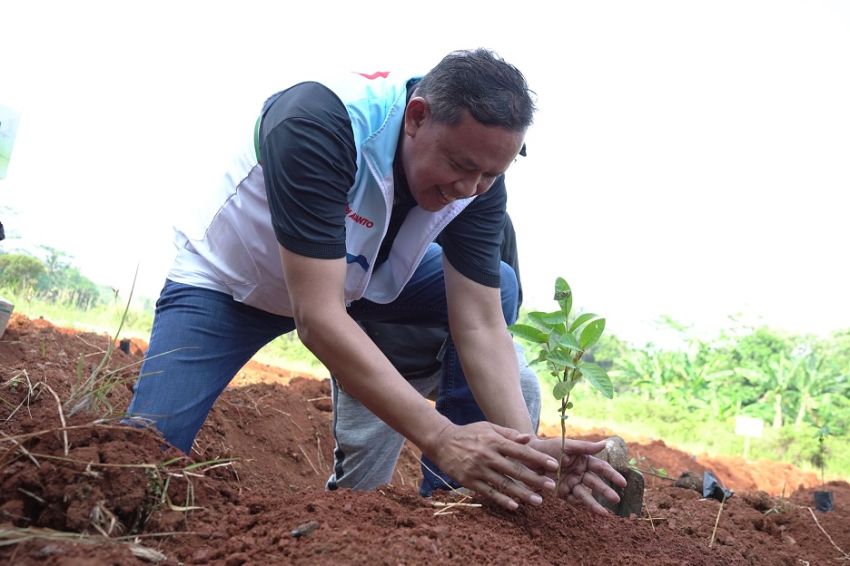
(12, 384)
(93, 391)
(20, 535)
(161, 477)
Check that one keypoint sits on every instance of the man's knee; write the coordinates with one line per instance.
(530, 385)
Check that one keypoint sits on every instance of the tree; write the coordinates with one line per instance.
(776, 379)
(815, 384)
(20, 272)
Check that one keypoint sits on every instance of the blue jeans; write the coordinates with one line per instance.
(201, 338)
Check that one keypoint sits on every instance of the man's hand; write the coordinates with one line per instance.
(582, 474)
(495, 461)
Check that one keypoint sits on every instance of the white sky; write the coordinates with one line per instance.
(688, 158)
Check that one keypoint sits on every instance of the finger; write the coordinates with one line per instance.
(528, 456)
(488, 491)
(532, 478)
(604, 470)
(600, 488)
(578, 447)
(514, 488)
(585, 496)
(514, 435)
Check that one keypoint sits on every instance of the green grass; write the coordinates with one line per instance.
(288, 351)
(102, 319)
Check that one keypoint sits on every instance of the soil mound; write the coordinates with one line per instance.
(78, 488)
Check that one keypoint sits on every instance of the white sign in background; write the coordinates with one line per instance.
(748, 427)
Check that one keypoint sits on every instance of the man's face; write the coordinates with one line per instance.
(444, 163)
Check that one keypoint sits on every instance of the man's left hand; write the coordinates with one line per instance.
(582, 474)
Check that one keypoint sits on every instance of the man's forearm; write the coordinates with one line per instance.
(316, 294)
(365, 373)
(489, 363)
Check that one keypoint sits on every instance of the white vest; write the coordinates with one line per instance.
(233, 249)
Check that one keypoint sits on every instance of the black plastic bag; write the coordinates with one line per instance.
(712, 488)
(823, 501)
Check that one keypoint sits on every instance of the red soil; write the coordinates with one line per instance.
(276, 427)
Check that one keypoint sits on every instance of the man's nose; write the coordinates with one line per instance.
(467, 186)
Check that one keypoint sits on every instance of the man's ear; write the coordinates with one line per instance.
(415, 115)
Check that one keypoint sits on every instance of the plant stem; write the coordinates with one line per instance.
(564, 403)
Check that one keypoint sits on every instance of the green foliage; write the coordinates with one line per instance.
(104, 317)
(819, 459)
(699, 431)
(562, 343)
(53, 280)
(54, 289)
(607, 350)
(755, 349)
(290, 352)
(783, 380)
(691, 393)
(20, 272)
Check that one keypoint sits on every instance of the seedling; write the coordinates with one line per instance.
(819, 459)
(823, 497)
(644, 467)
(562, 341)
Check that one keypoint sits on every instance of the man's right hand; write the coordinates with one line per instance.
(494, 461)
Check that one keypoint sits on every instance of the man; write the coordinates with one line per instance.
(327, 218)
(367, 449)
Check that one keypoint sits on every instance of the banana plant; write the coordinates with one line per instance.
(562, 341)
(776, 382)
(815, 384)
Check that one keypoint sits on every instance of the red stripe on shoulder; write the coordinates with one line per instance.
(375, 75)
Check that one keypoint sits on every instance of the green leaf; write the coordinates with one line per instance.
(561, 359)
(554, 317)
(569, 404)
(598, 378)
(536, 318)
(582, 319)
(569, 342)
(591, 333)
(552, 343)
(564, 296)
(529, 333)
(561, 389)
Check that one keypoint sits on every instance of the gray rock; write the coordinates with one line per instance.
(631, 497)
(616, 453)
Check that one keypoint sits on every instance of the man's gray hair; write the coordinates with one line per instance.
(493, 91)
